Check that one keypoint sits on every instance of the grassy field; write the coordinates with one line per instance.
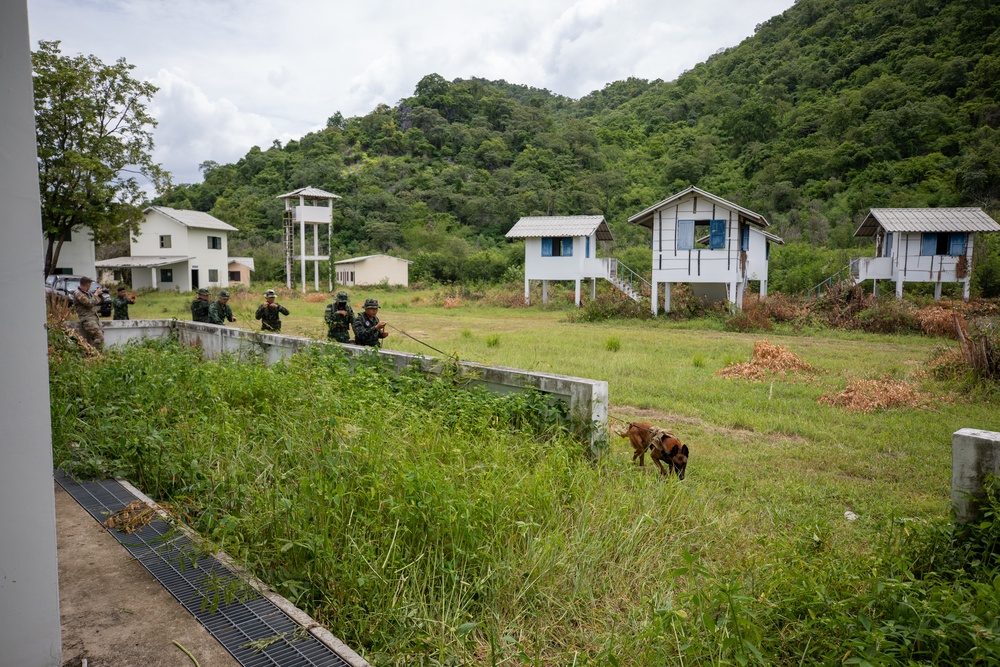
(750, 559)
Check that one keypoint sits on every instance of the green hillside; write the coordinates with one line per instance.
(830, 108)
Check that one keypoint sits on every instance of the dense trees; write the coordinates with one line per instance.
(94, 140)
(829, 109)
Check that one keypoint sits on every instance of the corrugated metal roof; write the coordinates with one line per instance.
(361, 259)
(560, 225)
(141, 261)
(927, 220)
(645, 217)
(245, 261)
(308, 192)
(197, 219)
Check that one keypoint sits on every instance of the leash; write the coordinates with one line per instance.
(452, 356)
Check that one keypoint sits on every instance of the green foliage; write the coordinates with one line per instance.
(94, 134)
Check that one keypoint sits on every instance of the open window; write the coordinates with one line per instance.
(701, 234)
(943, 243)
(557, 246)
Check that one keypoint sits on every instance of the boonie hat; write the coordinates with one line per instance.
(223, 294)
(371, 303)
(203, 291)
(342, 295)
(121, 289)
(269, 294)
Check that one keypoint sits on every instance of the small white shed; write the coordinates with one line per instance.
(713, 244)
(564, 248)
(921, 245)
(373, 270)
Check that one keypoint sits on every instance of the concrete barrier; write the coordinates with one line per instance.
(974, 455)
(586, 400)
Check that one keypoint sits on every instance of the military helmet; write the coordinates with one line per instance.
(223, 294)
(121, 289)
(269, 294)
(203, 291)
(371, 303)
(342, 296)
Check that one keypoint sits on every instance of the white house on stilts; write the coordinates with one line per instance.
(921, 245)
(713, 244)
(565, 248)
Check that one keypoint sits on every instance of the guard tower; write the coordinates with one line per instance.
(313, 207)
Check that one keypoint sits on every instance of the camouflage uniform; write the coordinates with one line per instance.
(220, 313)
(120, 308)
(365, 332)
(339, 326)
(269, 320)
(87, 306)
(199, 310)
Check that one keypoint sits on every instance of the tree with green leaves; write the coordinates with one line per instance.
(95, 141)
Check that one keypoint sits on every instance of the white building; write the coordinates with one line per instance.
(565, 248)
(177, 249)
(373, 270)
(713, 244)
(304, 208)
(921, 245)
(77, 255)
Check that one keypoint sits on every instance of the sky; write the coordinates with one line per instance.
(233, 74)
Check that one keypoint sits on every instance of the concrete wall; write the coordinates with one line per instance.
(587, 400)
(77, 254)
(974, 455)
(29, 577)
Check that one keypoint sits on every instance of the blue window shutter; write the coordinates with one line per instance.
(717, 231)
(685, 234)
(928, 244)
(587, 255)
(767, 250)
(745, 238)
(567, 246)
(956, 244)
(887, 248)
(547, 246)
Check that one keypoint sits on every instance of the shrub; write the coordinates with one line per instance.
(611, 306)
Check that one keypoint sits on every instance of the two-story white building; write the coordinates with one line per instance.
(177, 249)
(921, 245)
(563, 248)
(713, 244)
(77, 255)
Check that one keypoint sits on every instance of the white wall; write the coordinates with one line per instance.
(757, 255)
(29, 577)
(908, 264)
(147, 241)
(576, 267)
(77, 255)
(374, 270)
(722, 265)
(207, 259)
(185, 241)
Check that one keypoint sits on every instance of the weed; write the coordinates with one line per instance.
(492, 340)
(613, 344)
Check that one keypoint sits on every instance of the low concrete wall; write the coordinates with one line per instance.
(587, 400)
(974, 455)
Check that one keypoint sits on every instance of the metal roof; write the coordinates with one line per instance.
(141, 261)
(197, 219)
(308, 192)
(645, 217)
(245, 261)
(926, 220)
(352, 260)
(560, 225)
(773, 238)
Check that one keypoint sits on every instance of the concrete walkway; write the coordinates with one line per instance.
(114, 613)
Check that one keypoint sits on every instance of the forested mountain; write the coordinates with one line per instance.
(830, 108)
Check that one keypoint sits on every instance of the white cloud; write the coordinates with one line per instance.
(234, 73)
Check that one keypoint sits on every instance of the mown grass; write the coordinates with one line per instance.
(425, 539)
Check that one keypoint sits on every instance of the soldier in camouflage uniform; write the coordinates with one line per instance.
(367, 329)
(220, 312)
(199, 307)
(339, 318)
(87, 306)
(268, 312)
(120, 304)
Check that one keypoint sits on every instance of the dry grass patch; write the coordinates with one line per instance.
(767, 359)
(873, 395)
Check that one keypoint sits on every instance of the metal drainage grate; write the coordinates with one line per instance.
(242, 626)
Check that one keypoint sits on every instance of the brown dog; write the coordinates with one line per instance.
(662, 446)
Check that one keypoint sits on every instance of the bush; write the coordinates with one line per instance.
(611, 306)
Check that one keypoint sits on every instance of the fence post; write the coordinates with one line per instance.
(974, 455)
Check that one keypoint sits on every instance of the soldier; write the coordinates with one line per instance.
(86, 306)
(219, 311)
(120, 304)
(199, 307)
(367, 329)
(339, 318)
(268, 312)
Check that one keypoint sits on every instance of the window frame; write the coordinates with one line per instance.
(165, 241)
(166, 275)
(216, 239)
